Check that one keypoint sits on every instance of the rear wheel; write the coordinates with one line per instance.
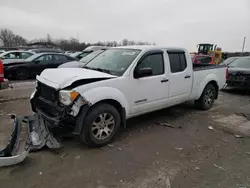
(206, 101)
(22, 74)
(100, 125)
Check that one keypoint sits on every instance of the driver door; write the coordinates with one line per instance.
(150, 92)
(41, 63)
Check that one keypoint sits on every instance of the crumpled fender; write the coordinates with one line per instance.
(93, 96)
(29, 133)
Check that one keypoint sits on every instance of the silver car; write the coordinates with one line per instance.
(12, 56)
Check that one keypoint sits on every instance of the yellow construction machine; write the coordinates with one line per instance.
(212, 50)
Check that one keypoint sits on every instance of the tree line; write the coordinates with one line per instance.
(9, 39)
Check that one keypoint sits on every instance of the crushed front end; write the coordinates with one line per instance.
(57, 107)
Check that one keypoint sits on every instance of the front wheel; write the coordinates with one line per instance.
(206, 101)
(100, 125)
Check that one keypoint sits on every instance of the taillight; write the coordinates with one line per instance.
(1, 71)
(227, 73)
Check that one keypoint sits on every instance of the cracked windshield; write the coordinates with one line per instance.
(150, 94)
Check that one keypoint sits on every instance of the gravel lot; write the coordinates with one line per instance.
(168, 148)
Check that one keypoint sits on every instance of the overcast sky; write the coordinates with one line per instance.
(182, 23)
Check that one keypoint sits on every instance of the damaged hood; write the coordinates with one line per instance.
(63, 77)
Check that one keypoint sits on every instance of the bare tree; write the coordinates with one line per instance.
(19, 41)
(8, 38)
(124, 42)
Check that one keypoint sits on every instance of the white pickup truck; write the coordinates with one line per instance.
(121, 83)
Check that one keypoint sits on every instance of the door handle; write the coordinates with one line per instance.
(187, 76)
(164, 80)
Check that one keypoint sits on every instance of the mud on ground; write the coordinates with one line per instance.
(169, 147)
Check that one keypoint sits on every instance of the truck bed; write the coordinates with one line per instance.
(198, 67)
(204, 72)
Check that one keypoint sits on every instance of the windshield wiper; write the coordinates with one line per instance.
(98, 69)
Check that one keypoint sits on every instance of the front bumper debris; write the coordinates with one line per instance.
(28, 134)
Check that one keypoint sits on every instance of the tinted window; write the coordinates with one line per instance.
(12, 55)
(25, 55)
(70, 58)
(44, 58)
(183, 61)
(155, 62)
(203, 59)
(241, 63)
(177, 62)
(60, 58)
(83, 54)
(229, 60)
(207, 60)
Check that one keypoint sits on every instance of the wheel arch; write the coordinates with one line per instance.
(117, 105)
(214, 83)
(210, 79)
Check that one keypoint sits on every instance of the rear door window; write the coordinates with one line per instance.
(60, 58)
(206, 60)
(25, 55)
(12, 55)
(44, 59)
(177, 61)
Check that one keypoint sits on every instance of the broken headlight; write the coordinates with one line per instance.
(67, 97)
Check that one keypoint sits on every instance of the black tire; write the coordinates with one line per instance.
(22, 74)
(209, 92)
(88, 135)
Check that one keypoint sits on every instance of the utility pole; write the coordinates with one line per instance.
(77, 35)
(243, 46)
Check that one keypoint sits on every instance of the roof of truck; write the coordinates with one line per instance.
(148, 47)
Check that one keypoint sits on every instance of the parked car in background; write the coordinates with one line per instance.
(119, 84)
(82, 61)
(69, 52)
(203, 59)
(79, 55)
(43, 50)
(34, 65)
(11, 56)
(239, 73)
(229, 60)
(87, 51)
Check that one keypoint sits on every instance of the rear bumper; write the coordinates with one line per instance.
(238, 84)
(29, 133)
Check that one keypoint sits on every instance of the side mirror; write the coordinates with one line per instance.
(37, 61)
(143, 72)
